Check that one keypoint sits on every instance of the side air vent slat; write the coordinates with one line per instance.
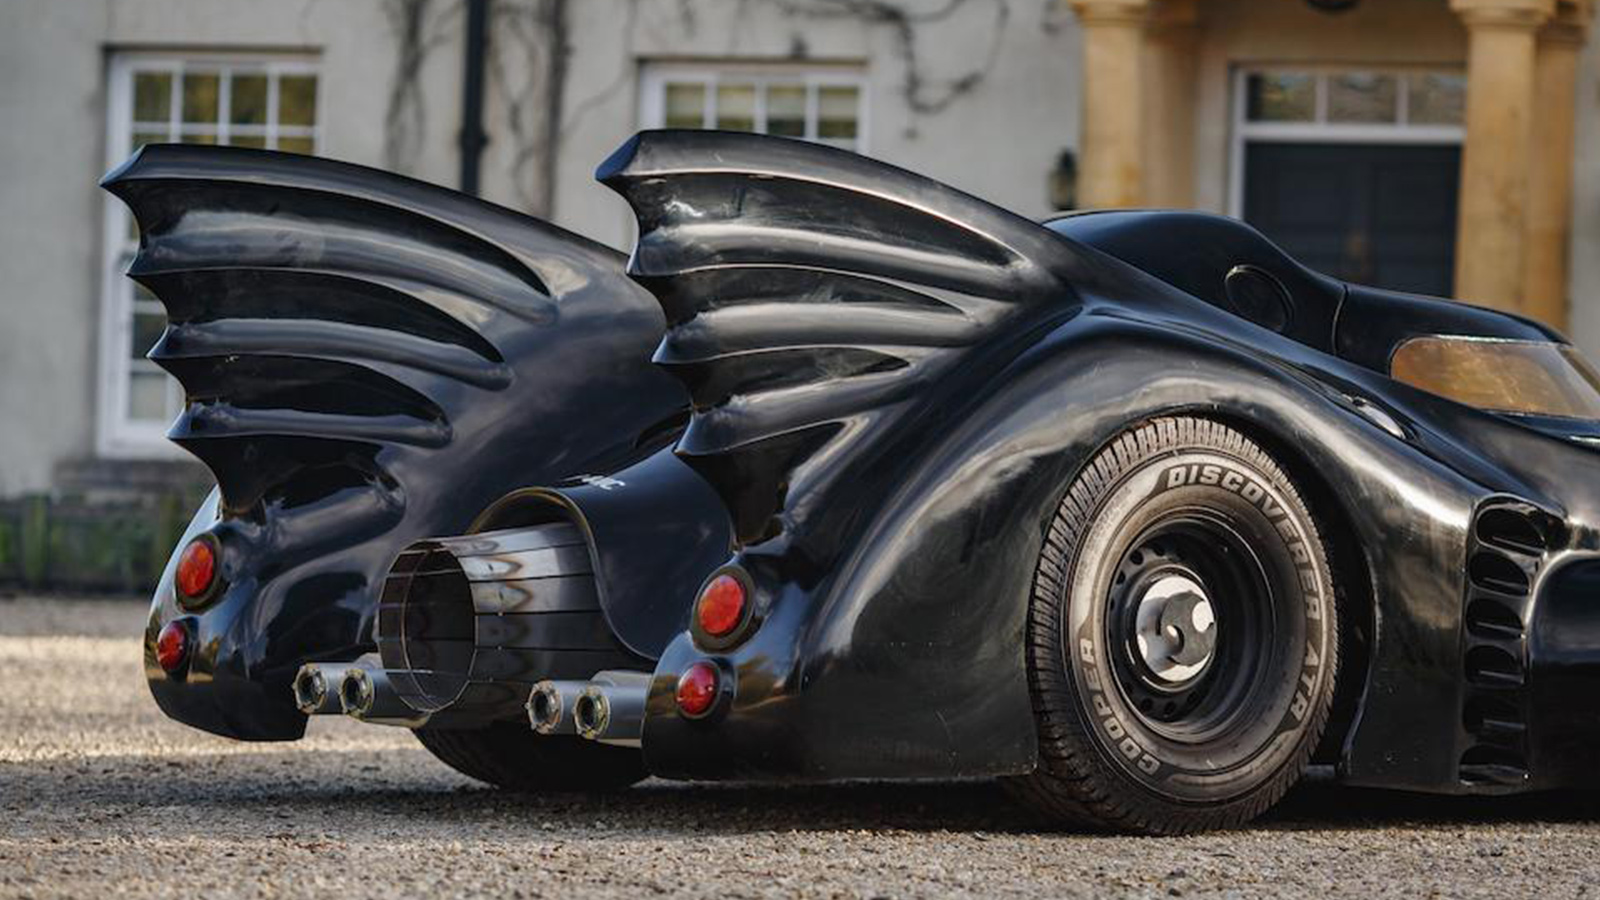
(1493, 667)
(1510, 529)
(1507, 546)
(1493, 765)
(1492, 716)
(1494, 620)
(1485, 775)
(1494, 572)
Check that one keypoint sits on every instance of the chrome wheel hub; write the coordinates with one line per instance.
(1175, 629)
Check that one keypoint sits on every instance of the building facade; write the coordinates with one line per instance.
(1446, 146)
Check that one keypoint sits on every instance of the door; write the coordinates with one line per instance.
(1378, 214)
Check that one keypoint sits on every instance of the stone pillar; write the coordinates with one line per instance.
(1544, 284)
(1170, 83)
(1111, 141)
(1492, 232)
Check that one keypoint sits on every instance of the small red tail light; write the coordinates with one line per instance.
(697, 689)
(721, 606)
(197, 569)
(172, 647)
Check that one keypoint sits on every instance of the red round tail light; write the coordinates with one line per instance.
(697, 689)
(197, 569)
(172, 647)
(721, 607)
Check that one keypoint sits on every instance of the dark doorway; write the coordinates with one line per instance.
(1379, 214)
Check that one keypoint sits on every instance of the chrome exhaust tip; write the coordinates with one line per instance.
(550, 706)
(316, 685)
(311, 693)
(367, 695)
(610, 708)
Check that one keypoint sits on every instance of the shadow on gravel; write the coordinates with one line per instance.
(356, 793)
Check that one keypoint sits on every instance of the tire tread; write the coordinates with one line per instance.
(1072, 783)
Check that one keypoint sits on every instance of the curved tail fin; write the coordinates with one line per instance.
(811, 292)
(369, 361)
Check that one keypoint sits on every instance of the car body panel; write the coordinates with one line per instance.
(891, 385)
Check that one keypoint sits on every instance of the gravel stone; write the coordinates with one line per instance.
(102, 797)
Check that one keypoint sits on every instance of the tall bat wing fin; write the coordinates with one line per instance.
(811, 294)
(369, 360)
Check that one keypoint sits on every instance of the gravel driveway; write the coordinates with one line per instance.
(101, 796)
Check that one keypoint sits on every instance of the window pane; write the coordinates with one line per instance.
(686, 105)
(193, 138)
(200, 97)
(297, 100)
(837, 111)
(1436, 99)
(258, 141)
(736, 107)
(295, 145)
(147, 396)
(140, 138)
(786, 110)
(1362, 97)
(247, 100)
(147, 328)
(152, 96)
(1281, 97)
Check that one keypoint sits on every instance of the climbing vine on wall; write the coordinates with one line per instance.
(529, 52)
(922, 94)
(530, 47)
(419, 27)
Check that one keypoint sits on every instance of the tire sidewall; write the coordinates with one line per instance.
(1284, 708)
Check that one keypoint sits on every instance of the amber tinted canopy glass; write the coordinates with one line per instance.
(1526, 377)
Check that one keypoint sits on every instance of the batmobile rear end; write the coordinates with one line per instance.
(894, 448)
(370, 361)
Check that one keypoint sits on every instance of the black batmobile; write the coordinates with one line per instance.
(846, 474)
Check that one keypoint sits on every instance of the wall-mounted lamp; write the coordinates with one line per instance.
(1064, 181)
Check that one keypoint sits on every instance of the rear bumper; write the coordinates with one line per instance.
(249, 642)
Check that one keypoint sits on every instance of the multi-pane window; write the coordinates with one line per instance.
(245, 101)
(822, 104)
(1396, 99)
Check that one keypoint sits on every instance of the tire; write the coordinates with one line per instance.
(1182, 642)
(511, 756)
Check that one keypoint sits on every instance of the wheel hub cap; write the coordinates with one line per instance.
(1175, 628)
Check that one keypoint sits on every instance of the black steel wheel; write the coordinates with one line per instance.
(1183, 635)
(512, 756)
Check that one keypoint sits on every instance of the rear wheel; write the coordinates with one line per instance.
(1182, 641)
(510, 755)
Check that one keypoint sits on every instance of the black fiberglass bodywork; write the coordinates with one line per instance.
(368, 360)
(891, 383)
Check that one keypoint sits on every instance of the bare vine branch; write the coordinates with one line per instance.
(405, 118)
(922, 94)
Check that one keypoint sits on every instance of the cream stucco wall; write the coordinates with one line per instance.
(53, 63)
(998, 141)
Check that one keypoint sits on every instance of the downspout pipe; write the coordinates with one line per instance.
(473, 137)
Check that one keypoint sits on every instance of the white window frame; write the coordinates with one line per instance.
(655, 74)
(116, 434)
(1321, 131)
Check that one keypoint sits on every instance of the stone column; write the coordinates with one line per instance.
(1170, 83)
(1544, 284)
(1492, 230)
(1111, 141)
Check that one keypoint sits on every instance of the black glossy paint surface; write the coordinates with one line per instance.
(368, 361)
(892, 384)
